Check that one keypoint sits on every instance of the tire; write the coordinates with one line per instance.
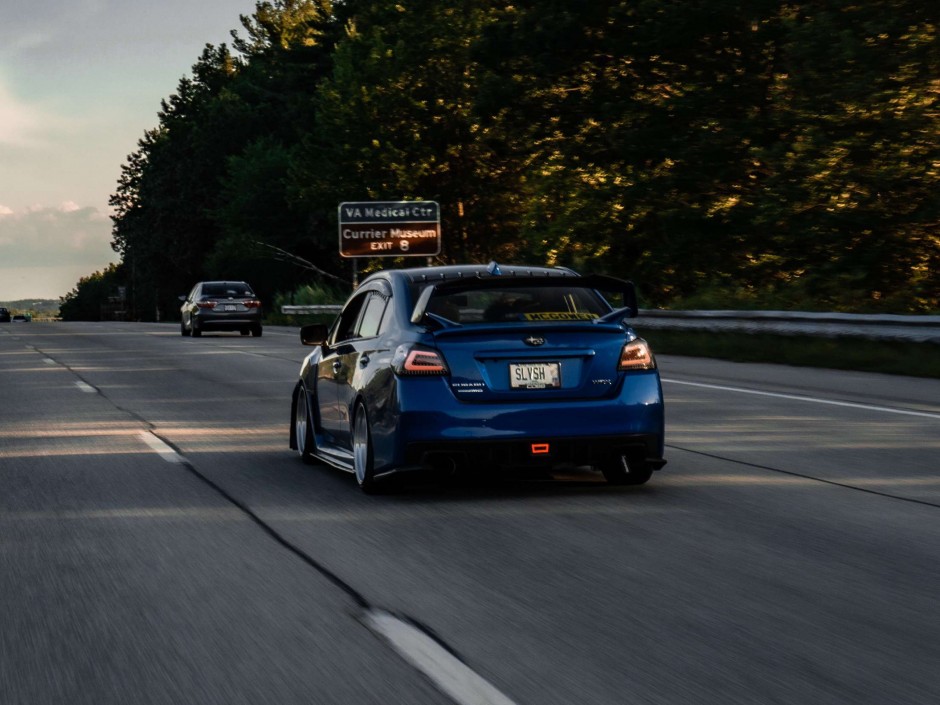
(362, 451)
(626, 470)
(303, 428)
(256, 331)
(197, 332)
(183, 331)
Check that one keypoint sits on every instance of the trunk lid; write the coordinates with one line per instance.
(534, 362)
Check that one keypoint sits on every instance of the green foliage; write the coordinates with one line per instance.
(306, 295)
(849, 204)
(210, 180)
(396, 121)
(746, 154)
(730, 145)
(313, 295)
(95, 297)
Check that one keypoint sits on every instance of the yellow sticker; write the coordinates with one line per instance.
(559, 316)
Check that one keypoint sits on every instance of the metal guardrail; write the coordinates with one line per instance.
(920, 329)
(888, 327)
(318, 308)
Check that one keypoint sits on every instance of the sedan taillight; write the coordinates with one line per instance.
(205, 304)
(636, 355)
(418, 361)
(253, 303)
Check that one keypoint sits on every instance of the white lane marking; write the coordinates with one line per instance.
(87, 388)
(165, 452)
(447, 672)
(813, 400)
(49, 361)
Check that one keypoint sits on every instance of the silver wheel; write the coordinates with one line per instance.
(303, 427)
(362, 450)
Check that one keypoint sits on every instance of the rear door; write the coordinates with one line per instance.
(348, 362)
(333, 371)
(356, 361)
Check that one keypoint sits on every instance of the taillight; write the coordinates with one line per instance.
(205, 304)
(253, 303)
(419, 361)
(636, 355)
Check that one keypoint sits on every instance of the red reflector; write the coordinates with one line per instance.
(540, 449)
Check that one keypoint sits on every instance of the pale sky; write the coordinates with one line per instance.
(80, 82)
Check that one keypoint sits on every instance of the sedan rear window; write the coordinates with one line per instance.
(226, 289)
(519, 304)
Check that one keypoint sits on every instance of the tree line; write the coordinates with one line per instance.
(720, 153)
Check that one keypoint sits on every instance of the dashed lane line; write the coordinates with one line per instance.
(161, 448)
(451, 675)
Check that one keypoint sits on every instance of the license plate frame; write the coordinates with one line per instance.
(229, 307)
(534, 375)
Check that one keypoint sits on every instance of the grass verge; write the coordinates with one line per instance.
(897, 358)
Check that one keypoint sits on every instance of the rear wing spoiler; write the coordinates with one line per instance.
(599, 282)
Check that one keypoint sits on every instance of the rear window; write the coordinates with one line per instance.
(226, 289)
(520, 305)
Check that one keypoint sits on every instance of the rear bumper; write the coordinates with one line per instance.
(535, 452)
(227, 321)
(426, 424)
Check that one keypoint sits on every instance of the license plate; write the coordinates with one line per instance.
(534, 375)
(230, 307)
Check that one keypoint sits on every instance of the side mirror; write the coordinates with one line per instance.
(314, 334)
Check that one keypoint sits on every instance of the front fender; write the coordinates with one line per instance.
(310, 361)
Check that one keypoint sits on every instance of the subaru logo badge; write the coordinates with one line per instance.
(534, 340)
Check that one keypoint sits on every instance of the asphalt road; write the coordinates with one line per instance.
(159, 543)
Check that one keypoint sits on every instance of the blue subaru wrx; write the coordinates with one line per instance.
(478, 368)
